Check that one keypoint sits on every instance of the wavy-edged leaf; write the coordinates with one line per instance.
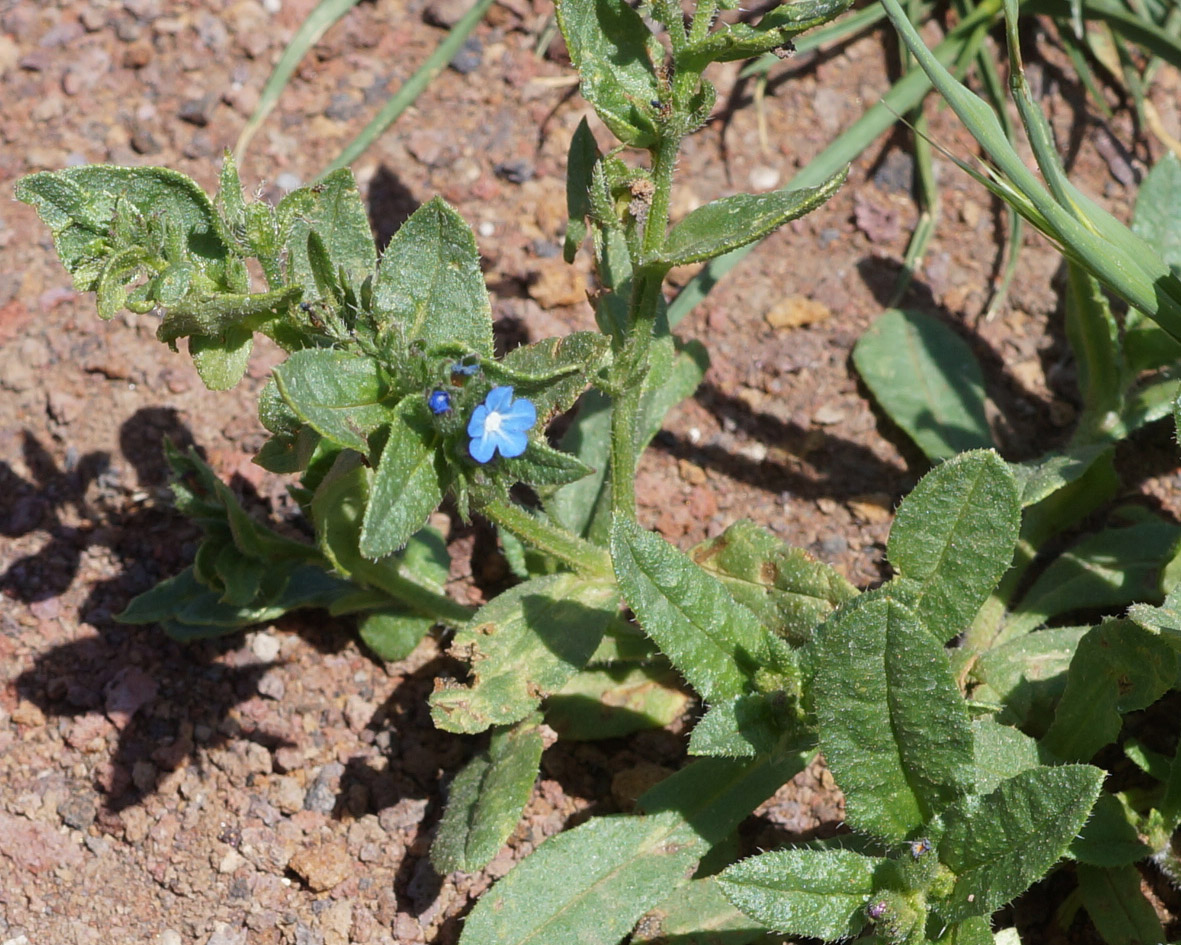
(730, 222)
(485, 800)
(341, 395)
(713, 641)
(893, 726)
(429, 285)
(613, 51)
(999, 844)
(521, 646)
(953, 537)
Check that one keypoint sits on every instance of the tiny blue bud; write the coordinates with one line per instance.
(439, 401)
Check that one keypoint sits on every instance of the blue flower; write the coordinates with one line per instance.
(500, 423)
(439, 401)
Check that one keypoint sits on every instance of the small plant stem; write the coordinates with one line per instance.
(703, 18)
(576, 553)
(441, 608)
(664, 164)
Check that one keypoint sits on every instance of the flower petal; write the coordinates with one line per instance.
(499, 398)
(520, 416)
(513, 443)
(475, 426)
(481, 448)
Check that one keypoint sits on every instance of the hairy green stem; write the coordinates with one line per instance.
(422, 600)
(576, 553)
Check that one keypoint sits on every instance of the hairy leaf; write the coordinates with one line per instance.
(953, 537)
(485, 800)
(818, 893)
(726, 224)
(789, 590)
(1118, 667)
(715, 642)
(521, 646)
(999, 844)
(429, 286)
(614, 53)
(893, 726)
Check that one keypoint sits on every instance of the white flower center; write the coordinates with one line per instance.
(493, 423)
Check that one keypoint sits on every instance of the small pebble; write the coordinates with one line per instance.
(469, 57)
(288, 181)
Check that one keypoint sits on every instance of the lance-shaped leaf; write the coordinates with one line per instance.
(409, 484)
(580, 161)
(726, 224)
(485, 800)
(999, 844)
(521, 646)
(215, 314)
(715, 642)
(591, 884)
(341, 395)
(698, 914)
(333, 210)
(1112, 567)
(893, 726)
(429, 286)
(1113, 899)
(953, 537)
(925, 377)
(613, 701)
(543, 466)
(818, 893)
(789, 590)
(1119, 667)
(613, 51)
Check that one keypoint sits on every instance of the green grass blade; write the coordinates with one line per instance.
(1124, 263)
(903, 96)
(308, 34)
(412, 87)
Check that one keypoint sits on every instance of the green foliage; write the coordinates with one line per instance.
(486, 799)
(952, 539)
(928, 381)
(911, 691)
(522, 646)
